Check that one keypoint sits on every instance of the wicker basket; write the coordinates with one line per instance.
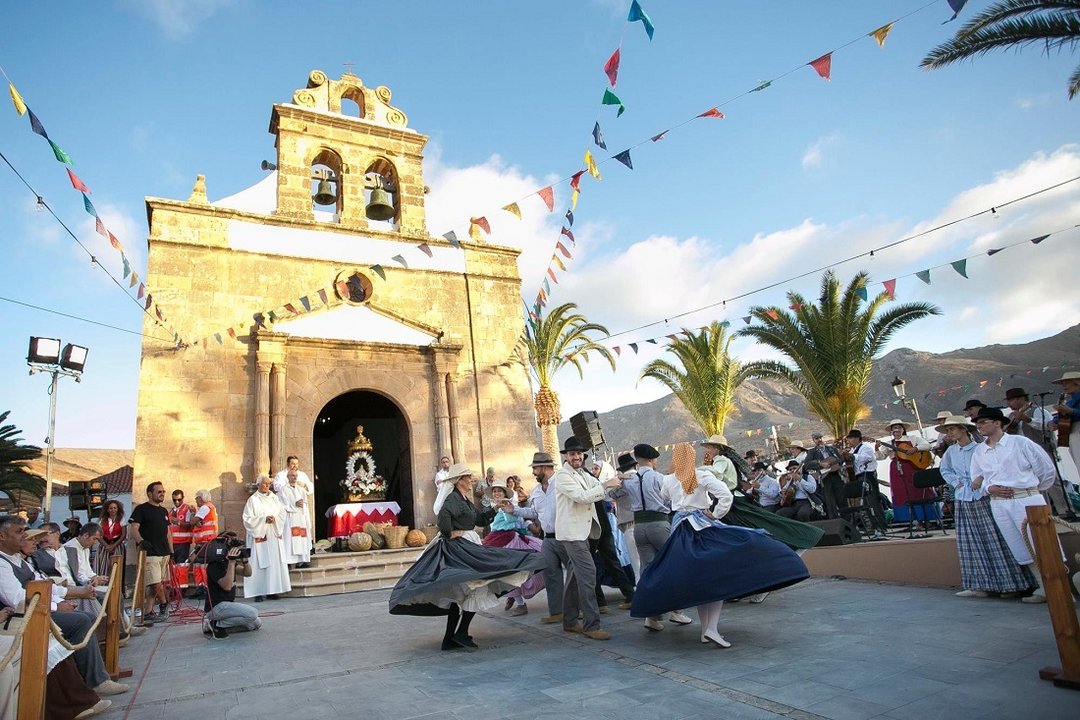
(430, 531)
(395, 536)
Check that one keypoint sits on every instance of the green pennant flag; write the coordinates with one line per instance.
(960, 266)
(611, 98)
(861, 292)
(379, 271)
(127, 265)
(60, 154)
(923, 275)
(761, 86)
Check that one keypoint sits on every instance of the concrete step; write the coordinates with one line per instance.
(344, 584)
(346, 572)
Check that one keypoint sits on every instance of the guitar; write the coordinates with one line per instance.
(1064, 425)
(1013, 426)
(905, 450)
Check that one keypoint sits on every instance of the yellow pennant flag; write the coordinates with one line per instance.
(573, 200)
(881, 33)
(591, 164)
(513, 209)
(558, 262)
(16, 98)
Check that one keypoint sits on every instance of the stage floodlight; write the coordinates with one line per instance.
(43, 350)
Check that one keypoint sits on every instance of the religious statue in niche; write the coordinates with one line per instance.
(361, 482)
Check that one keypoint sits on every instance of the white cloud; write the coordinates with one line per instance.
(178, 18)
(814, 155)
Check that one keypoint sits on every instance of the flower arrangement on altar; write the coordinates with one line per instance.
(360, 479)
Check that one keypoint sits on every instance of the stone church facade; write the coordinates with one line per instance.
(423, 359)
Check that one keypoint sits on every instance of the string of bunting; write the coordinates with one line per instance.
(888, 286)
(143, 296)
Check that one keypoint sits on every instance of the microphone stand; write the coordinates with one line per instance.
(1048, 442)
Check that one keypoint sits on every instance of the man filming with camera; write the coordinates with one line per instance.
(226, 558)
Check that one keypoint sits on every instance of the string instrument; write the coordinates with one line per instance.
(906, 450)
(787, 495)
(1064, 425)
(847, 458)
(1013, 426)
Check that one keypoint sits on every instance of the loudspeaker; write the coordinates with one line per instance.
(839, 531)
(586, 428)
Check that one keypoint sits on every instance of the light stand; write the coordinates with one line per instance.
(44, 355)
(1048, 443)
(899, 387)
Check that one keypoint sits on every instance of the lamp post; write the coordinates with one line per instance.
(899, 387)
(45, 355)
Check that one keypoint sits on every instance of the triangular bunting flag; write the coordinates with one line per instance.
(481, 222)
(923, 275)
(127, 266)
(232, 333)
(762, 85)
(658, 138)
(573, 200)
(636, 13)
(1036, 241)
(611, 98)
(796, 307)
(618, 350)
(474, 232)
(890, 288)
(773, 314)
(36, 125)
(547, 285)
(77, 183)
(272, 315)
(862, 293)
(651, 340)
(134, 279)
(957, 6)
(570, 218)
(115, 243)
(575, 180)
(217, 336)
(611, 67)
(142, 291)
(881, 33)
(291, 308)
(61, 156)
(823, 66)
(306, 302)
(513, 209)
(551, 274)
(624, 158)
(993, 251)
(558, 261)
(960, 266)
(16, 100)
(157, 311)
(89, 206)
(424, 248)
(562, 248)
(322, 296)
(598, 137)
(591, 165)
(378, 270)
(567, 233)
(451, 237)
(548, 196)
(747, 319)
(342, 288)
(400, 260)
(633, 346)
(99, 227)
(712, 113)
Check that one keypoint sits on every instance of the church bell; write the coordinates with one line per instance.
(325, 193)
(379, 206)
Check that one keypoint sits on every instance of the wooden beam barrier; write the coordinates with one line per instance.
(113, 621)
(34, 664)
(1059, 599)
(138, 594)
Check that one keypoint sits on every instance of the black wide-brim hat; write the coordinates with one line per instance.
(989, 413)
(974, 403)
(572, 443)
(626, 462)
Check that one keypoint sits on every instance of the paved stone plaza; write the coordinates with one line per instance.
(827, 648)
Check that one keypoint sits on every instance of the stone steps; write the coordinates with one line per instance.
(336, 573)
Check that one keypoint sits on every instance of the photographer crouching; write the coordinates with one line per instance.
(227, 557)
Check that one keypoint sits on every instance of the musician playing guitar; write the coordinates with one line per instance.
(795, 492)
(908, 454)
(1068, 414)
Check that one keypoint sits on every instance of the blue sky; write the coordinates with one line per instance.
(146, 95)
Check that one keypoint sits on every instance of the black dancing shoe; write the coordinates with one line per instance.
(464, 641)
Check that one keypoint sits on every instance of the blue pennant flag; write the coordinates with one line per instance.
(598, 137)
(636, 13)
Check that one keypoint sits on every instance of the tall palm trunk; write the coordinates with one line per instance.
(548, 415)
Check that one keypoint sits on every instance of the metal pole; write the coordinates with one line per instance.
(51, 445)
(915, 409)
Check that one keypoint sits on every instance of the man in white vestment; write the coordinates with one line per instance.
(443, 486)
(292, 465)
(264, 520)
(297, 533)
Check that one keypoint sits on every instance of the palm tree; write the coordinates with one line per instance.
(1052, 24)
(14, 475)
(832, 345)
(562, 337)
(708, 377)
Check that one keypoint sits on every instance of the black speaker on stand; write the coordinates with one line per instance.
(586, 428)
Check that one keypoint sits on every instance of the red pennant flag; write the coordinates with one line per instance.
(115, 243)
(982, 384)
(551, 274)
(77, 183)
(322, 296)
(611, 67)
(291, 308)
(823, 66)
(567, 233)
(562, 248)
(549, 197)
(618, 350)
(149, 301)
(575, 180)
(232, 333)
(342, 289)
(890, 288)
(481, 222)
(796, 307)
(772, 314)
(142, 291)
(672, 338)
(99, 227)
(157, 309)
(712, 113)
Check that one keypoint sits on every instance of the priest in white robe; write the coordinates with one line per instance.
(264, 520)
(296, 498)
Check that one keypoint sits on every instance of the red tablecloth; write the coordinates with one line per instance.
(346, 518)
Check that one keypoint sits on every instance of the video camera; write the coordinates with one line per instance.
(217, 550)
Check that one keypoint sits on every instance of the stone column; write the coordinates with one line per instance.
(277, 416)
(262, 417)
(457, 450)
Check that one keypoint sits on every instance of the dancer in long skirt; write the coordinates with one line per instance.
(457, 576)
(508, 531)
(704, 561)
(986, 563)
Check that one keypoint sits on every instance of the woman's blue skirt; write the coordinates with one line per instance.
(719, 562)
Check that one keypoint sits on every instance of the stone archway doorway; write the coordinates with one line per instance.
(388, 430)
